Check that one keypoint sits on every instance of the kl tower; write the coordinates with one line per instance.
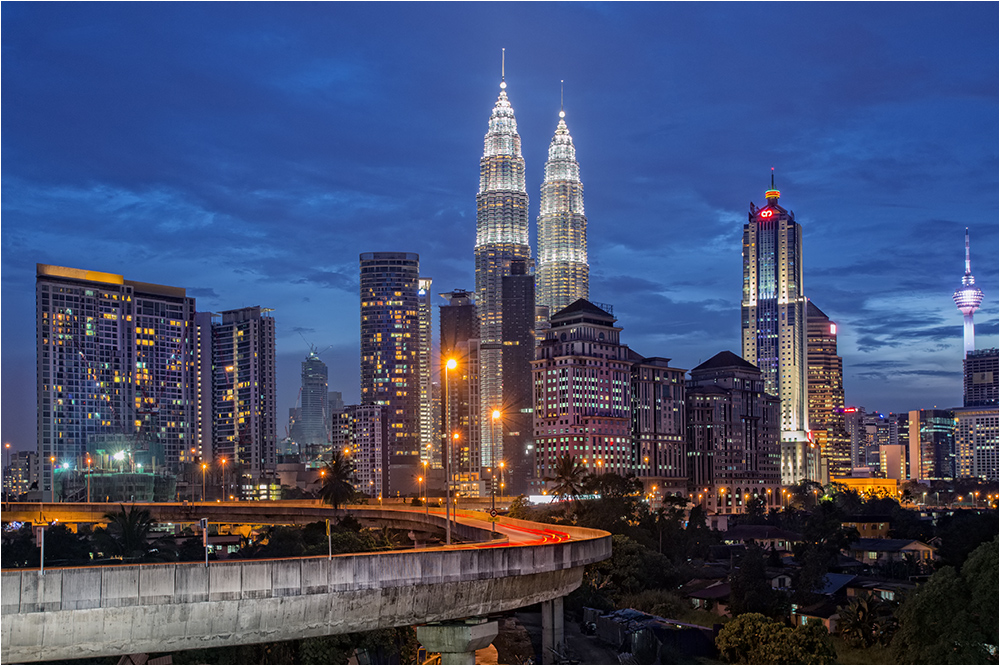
(967, 299)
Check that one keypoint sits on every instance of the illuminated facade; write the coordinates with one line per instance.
(733, 452)
(977, 443)
(826, 395)
(429, 432)
(115, 370)
(244, 425)
(967, 299)
(658, 425)
(501, 237)
(980, 378)
(563, 274)
(368, 428)
(773, 318)
(932, 444)
(459, 331)
(391, 334)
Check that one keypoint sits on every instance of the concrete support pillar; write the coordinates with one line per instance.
(553, 636)
(457, 641)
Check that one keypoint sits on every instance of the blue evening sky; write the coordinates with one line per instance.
(250, 151)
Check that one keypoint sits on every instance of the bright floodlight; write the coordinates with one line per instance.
(451, 364)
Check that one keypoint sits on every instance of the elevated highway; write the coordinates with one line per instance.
(81, 612)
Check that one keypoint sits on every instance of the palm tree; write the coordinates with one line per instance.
(337, 477)
(126, 532)
(569, 477)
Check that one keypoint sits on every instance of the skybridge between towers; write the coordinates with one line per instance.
(449, 593)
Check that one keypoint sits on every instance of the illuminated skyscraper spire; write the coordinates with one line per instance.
(967, 299)
(563, 275)
(501, 236)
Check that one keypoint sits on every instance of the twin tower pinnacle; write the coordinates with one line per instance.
(502, 235)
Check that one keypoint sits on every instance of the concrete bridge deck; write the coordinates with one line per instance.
(122, 609)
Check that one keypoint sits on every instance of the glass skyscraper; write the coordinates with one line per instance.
(563, 274)
(501, 237)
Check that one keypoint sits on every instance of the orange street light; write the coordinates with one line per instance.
(204, 466)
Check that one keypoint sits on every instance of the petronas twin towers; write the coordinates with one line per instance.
(502, 237)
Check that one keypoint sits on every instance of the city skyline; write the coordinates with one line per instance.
(249, 159)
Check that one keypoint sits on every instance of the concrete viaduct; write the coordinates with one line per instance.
(448, 592)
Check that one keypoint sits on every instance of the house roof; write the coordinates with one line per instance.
(582, 305)
(885, 545)
(759, 533)
(833, 583)
(719, 591)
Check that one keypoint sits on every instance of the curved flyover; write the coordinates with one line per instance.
(74, 613)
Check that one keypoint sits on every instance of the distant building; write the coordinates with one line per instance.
(369, 444)
(977, 442)
(774, 324)
(514, 435)
(659, 426)
(115, 368)
(391, 334)
(826, 394)
(460, 402)
(313, 437)
(932, 444)
(732, 431)
(980, 378)
(21, 472)
(868, 432)
(244, 424)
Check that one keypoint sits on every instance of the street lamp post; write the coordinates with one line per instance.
(449, 365)
(52, 465)
(204, 466)
(88, 478)
(223, 479)
(493, 470)
(426, 508)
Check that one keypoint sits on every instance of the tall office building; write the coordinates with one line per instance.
(314, 438)
(932, 444)
(659, 426)
(773, 317)
(115, 370)
(977, 443)
(826, 394)
(460, 408)
(513, 429)
(563, 274)
(501, 236)
(582, 375)
(390, 357)
(967, 299)
(429, 431)
(733, 427)
(368, 426)
(980, 378)
(244, 425)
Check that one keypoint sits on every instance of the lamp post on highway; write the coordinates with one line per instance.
(493, 463)
(88, 478)
(52, 465)
(426, 508)
(204, 466)
(223, 479)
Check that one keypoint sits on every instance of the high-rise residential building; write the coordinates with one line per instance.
(22, 470)
(733, 428)
(370, 448)
(245, 404)
(514, 425)
(313, 437)
(658, 425)
(563, 274)
(390, 357)
(977, 443)
(868, 432)
(204, 391)
(981, 371)
(582, 375)
(429, 431)
(826, 394)
(774, 326)
(967, 299)
(932, 444)
(460, 404)
(501, 236)
(115, 370)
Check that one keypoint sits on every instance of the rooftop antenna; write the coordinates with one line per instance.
(772, 178)
(503, 75)
(562, 112)
(968, 264)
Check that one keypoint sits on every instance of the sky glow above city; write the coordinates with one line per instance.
(250, 152)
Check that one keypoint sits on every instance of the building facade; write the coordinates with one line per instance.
(314, 437)
(931, 444)
(513, 430)
(733, 430)
(582, 403)
(774, 326)
(501, 237)
(980, 377)
(370, 448)
(659, 426)
(826, 395)
(429, 431)
(244, 424)
(391, 334)
(977, 442)
(115, 371)
(563, 273)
